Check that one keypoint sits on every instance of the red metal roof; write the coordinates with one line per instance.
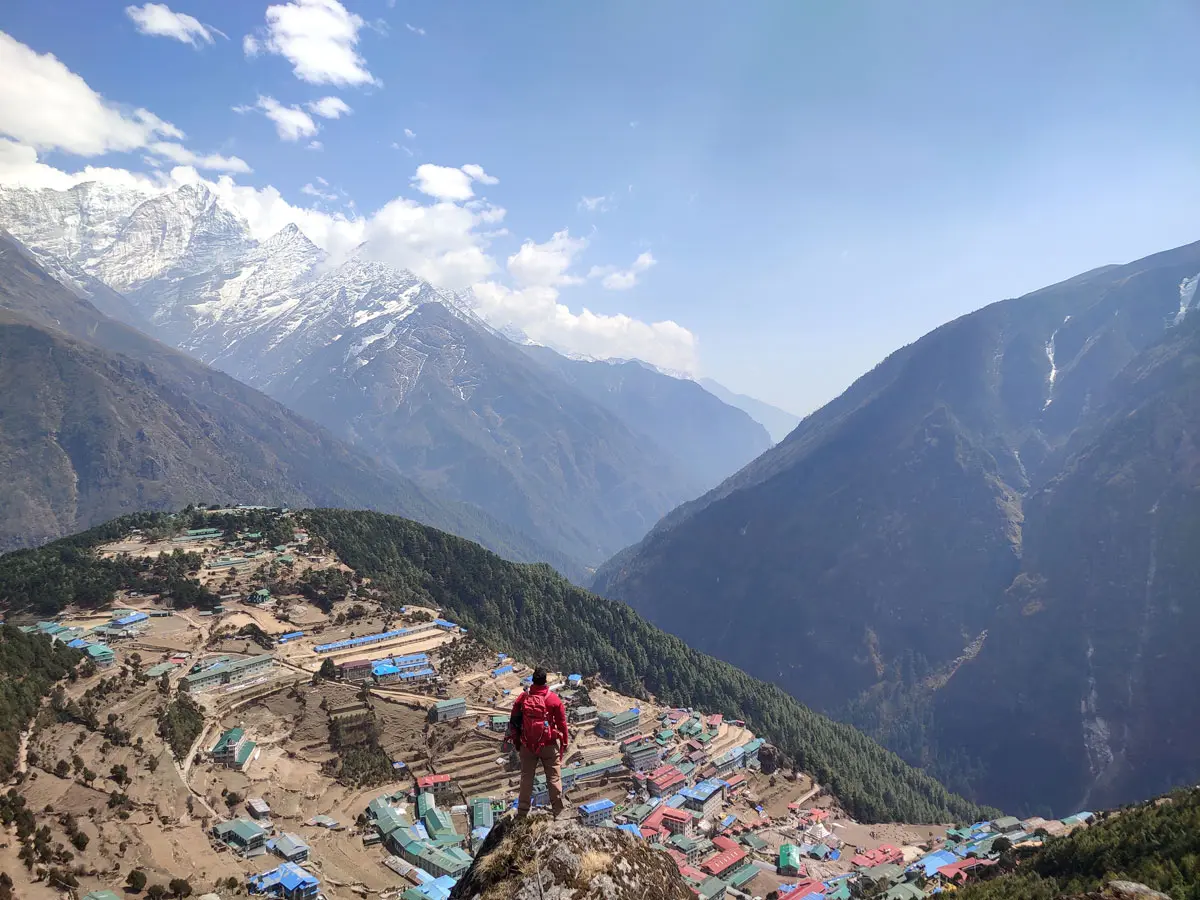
(723, 861)
(430, 780)
(803, 889)
(723, 843)
(676, 815)
(957, 871)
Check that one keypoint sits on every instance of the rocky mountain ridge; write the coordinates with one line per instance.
(385, 361)
(97, 419)
(889, 561)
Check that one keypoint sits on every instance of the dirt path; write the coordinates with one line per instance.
(23, 750)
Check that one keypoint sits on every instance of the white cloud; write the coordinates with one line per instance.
(449, 183)
(615, 279)
(546, 265)
(177, 153)
(318, 37)
(159, 20)
(409, 133)
(420, 32)
(533, 306)
(440, 242)
(19, 166)
(595, 204)
(329, 107)
(315, 145)
(313, 191)
(45, 105)
(291, 122)
(539, 314)
(477, 174)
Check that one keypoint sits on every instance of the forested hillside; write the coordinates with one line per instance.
(29, 667)
(1156, 844)
(540, 617)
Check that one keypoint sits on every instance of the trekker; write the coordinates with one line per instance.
(538, 729)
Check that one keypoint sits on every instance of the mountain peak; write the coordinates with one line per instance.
(289, 235)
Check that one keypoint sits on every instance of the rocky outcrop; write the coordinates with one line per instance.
(539, 858)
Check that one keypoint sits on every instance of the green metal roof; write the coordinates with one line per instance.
(425, 802)
(454, 701)
(744, 877)
(753, 841)
(789, 857)
(242, 829)
(228, 738)
(624, 718)
(244, 752)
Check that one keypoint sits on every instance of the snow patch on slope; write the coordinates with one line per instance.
(1187, 293)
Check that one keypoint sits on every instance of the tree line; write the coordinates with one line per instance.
(1156, 843)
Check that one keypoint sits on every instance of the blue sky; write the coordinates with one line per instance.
(808, 186)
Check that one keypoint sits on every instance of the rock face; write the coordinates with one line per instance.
(539, 858)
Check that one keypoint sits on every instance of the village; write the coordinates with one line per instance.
(347, 749)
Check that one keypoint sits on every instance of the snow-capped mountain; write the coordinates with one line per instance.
(384, 359)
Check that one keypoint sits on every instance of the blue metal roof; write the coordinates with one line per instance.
(383, 669)
(416, 673)
(596, 806)
(361, 641)
(502, 670)
(131, 618)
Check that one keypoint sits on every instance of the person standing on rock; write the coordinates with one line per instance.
(538, 729)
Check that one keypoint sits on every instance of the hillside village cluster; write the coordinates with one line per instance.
(696, 786)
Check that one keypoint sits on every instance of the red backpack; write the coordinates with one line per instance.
(536, 731)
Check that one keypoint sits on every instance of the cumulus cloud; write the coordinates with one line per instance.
(538, 313)
(45, 105)
(318, 37)
(449, 183)
(159, 20)
(19, 165)
(546, 264)
(329, 107)
(595, 204)
(533, 306)
(177, 153)
(615, 279)
(291, 122)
